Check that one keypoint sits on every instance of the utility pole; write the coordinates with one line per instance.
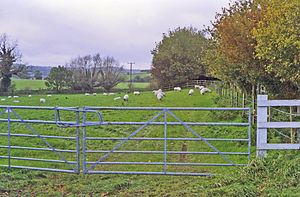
(130, 75)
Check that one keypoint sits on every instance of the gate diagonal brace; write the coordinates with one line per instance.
(39, 136)
(200, 137)
(123, 141)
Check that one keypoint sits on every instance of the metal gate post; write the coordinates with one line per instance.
(8, 138)
(84, 170)
(165, 141)
(77, 142)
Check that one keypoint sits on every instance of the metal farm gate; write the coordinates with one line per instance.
(122, 140)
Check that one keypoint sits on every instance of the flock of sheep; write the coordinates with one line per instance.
(159, 94)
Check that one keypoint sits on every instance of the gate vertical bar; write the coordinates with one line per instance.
(8, 138)
(262, 113)
(84, 142)
(165, 141)
(249, 134)
(77, 142)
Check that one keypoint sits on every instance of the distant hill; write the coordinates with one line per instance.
(44, 69)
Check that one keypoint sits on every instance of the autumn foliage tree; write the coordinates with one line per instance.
(178, 57)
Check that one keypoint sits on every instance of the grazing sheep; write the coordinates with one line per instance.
(3, 99)
(177, 89)
(191, 92)
(110, 94)
(204, 90)
(160, 96)
(136, 93)
(156, 91)
(126, 97)
(117, 98)
(49, 95)
(29, 95)
(9, 97)
(87, 94)
(197, 86)
(201, 87)
(42, 100)
(94, 94)
(16, 101)
(105, 94)
(16, 96)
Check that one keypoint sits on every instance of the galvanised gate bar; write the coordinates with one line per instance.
(49, 138)
(165, 157)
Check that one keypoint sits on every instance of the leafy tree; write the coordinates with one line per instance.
(9, 54)
(277, 36)
(38, 74)
(59, 78)
(179, 57)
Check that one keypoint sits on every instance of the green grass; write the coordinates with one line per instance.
(230, 183)
(27, 84)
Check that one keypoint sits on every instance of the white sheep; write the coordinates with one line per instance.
(16, 101)
(204, 90)
(16, 96)
(49, 95)
(42, 100)
(94, 94)
(117, 98)
(29, 95)
(105, 94)
(201, 87)
(197, 86)
(87, 94)
(191, 92)
(9, 97)
(126, 97)
(177, 89)
(110, 94)
(160, 96)
(136, 93)
(156, 91)
(3, 99)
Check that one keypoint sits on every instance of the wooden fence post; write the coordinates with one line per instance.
(261, 135)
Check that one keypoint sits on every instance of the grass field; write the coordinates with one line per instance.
(232, 180)
(27, 84)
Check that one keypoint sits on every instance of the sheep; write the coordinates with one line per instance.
(94, 94)
(105, 94)
(201, 87)
(117, 98)
(16, 96)
(87, 94)
(126, 97)
(156, 91)
(29, 95)
(16, 101)
(160, 96)
(136, 93)
(110, 94)
(42, 100)
(177, 89)
(197, 86)
(3, 99)
(9, 97)
(49, 95)
(191, 92)
(204, 90)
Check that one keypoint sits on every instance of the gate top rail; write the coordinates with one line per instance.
(168, 108)
(38, 107)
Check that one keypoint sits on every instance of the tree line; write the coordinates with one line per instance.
(251, 43)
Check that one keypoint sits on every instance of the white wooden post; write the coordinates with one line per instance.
(262, 118)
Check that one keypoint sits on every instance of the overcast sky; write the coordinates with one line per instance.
(51, 32)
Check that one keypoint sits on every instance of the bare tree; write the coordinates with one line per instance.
(9, 54)
(111, 73)
(92, 71)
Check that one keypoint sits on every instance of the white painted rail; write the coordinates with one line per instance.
(263, 125)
